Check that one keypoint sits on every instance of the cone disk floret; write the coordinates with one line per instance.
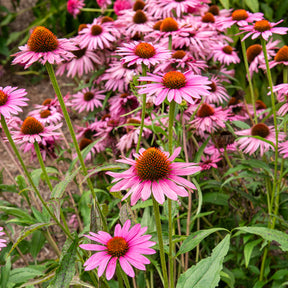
(3, 98)
(145, 50)
(282, 54)
(174, 80)
(31, 126)
(261, 130)
(152, 165)
(205, 111)
(117, 247)
(42, 40)
(253, 51)
(262, 25)
(239, 15)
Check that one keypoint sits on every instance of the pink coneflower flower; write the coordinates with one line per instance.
(255, 55)
(2, 241)
(119, 75)
(225, 54)
(146, 53)
(208, 119)
(43, 46)
(11, 99)
(74, 7)
(127, 246)
(103, 4)
(153, 171)
(263, 28)
(250, 145)
(182, 60)
(241, 17)
(83, 63)
(121, 5)
(97, 147)
(283, 149)
(176, 86)
(281, 57)
(209, 161)
(218, 94)
(46, 116)
(95, 36)
(122, 104)
(33, 131)
(87, 99)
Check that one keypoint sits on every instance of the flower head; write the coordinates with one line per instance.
(74, 7)
(33, 130)
(127, 246)
(43, 46)
(250, 145)
(225, 54)
(146, 53)
(263, 28)
(87, 99)
(153, 171)
(11, 99)
(121, 5)
(2, 241)
(176, 86)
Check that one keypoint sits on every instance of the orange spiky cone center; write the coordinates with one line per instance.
(47, 101)
(169, 25)
(214, 9)
(174, 80)
(282, 54)
(106, 19)
(84, 143)
(208, 18)
(152, 165)
(81, 27)
(261, 130)
(262, 25)
(239, 15)
(45, 113)
(96, 30)
(145, 50)
(31, 126)
(227, 49)
(3, 98)
(42, 40)
(138, 5)
(205, 111)
(179, 54)
(253, 51)
(213, 86)
(157, 25)
(117, 247)
(88, 96)
(260, 104)
(140, 17)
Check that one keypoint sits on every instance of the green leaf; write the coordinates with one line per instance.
(248, 249)
(26, 232)
(5, 272)
(143, 204)
(216, 198)
(268, 235)
(253, 5)
(241, 124)
(206, 273)
(200, 151)
(195, 238)
(37, 243)
(65, 272)
(20, 275)
(38, 280)
(225, 3)
(37, 174)
(59, 188)
(20, 213)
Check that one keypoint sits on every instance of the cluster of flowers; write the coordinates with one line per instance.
(184, 47)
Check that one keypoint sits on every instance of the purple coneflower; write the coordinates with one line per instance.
(263, 28)
(146, 53)
(281, 57)
(33, 130)
(43, 46)
(225, 54)
(153, 171)
(2, 241)
(47, 116)
(176, 86)
(87, 99)
(208, 119)
(95, 36)
(74, 7)
(250, 145)
(218, 94)
(126, 247)
(11, 99)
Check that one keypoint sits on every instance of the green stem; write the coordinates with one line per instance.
(243, 45)
(170, 42)
(54, 82)
(96, 10)
(144, 73)
(40, 159)
(119, 276)
(172, 108)
(8, 135)
(275, 186)
(160, 240)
